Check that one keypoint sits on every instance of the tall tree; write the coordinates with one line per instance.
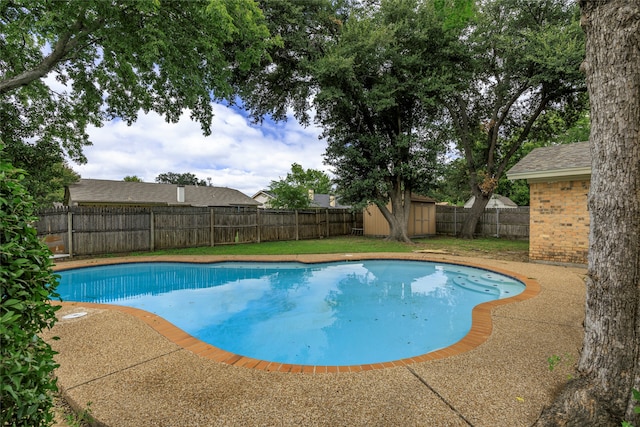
(292, 192)
(180, 178)
(609, 366)
(378, 86)
(526, 58)
(114, 59)
(371, 72)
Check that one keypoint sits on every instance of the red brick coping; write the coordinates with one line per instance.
(480, 329)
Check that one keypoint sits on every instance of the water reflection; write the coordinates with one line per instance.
(324, 314)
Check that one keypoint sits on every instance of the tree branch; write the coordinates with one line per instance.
(61, 49)
(523, 135)
(499, 120)
(66, 44)
(462, 122)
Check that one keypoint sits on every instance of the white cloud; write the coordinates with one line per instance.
(237, 154)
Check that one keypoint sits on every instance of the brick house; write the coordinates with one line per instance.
(559, 177)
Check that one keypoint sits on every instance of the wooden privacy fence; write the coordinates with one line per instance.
(92, 230)
(510, 223)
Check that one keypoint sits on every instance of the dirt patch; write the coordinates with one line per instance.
(518, 256)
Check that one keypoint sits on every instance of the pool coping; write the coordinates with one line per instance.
(480, 331)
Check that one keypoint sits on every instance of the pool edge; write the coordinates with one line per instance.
(481, 328)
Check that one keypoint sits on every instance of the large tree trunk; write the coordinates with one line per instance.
(609, 367)
(473, 216)
(398, 215)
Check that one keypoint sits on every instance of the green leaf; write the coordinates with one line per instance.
(13, 303)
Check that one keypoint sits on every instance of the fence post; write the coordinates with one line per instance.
(212, 226)
(152, 231)
(344, 222)
(455, 220)
(297, 226)
(258, 227)
(70, 233)
(498, 223)
(328, 223)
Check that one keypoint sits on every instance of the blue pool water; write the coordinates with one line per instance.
(340, 313)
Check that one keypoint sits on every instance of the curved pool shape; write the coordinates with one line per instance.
(337, 313)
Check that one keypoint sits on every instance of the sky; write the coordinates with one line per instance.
(237, 154)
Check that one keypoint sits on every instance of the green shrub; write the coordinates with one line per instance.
(27, 282)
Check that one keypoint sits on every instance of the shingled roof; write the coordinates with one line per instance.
(566, 161)
(98, 192)
(496, 201)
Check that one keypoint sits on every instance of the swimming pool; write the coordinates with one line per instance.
(339, 313)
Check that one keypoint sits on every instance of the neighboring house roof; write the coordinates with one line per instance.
(497, 201)
(558, 162)
(327, 201)
(103, 192)
(263, 193)
(318, 200)
(263, 197)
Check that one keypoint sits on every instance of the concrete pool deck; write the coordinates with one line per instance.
(136, 371)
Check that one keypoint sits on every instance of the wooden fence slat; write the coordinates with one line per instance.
(100, 230)
(510, 223)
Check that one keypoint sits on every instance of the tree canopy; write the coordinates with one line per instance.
(179, 178)
(67, 65)
(293, 192)
(524, 73)
(453, 185)
(372, 73)
(378, 87)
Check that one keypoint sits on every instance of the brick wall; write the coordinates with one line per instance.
(559, 222)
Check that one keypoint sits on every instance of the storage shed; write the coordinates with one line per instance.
(559, 178)
(422, 218)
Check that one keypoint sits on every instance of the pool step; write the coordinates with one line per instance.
(487, 283)
(474, 284)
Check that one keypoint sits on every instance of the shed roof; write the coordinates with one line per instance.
(565, 161)
(496, 201)
(105, 192)
(421, 199)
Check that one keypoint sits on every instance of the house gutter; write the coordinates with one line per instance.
(566, 174)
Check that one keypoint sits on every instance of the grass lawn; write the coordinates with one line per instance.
(517, 250)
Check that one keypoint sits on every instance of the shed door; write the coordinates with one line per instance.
(422, 219)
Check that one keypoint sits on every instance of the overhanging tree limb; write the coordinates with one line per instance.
(67, 43)
(116, 59)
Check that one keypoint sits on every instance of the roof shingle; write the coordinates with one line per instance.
(105, 192)
(554, 161)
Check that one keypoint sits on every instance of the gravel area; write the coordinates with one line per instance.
(134, 376)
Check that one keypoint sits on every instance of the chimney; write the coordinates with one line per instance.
(180, 193)
(311, 195)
